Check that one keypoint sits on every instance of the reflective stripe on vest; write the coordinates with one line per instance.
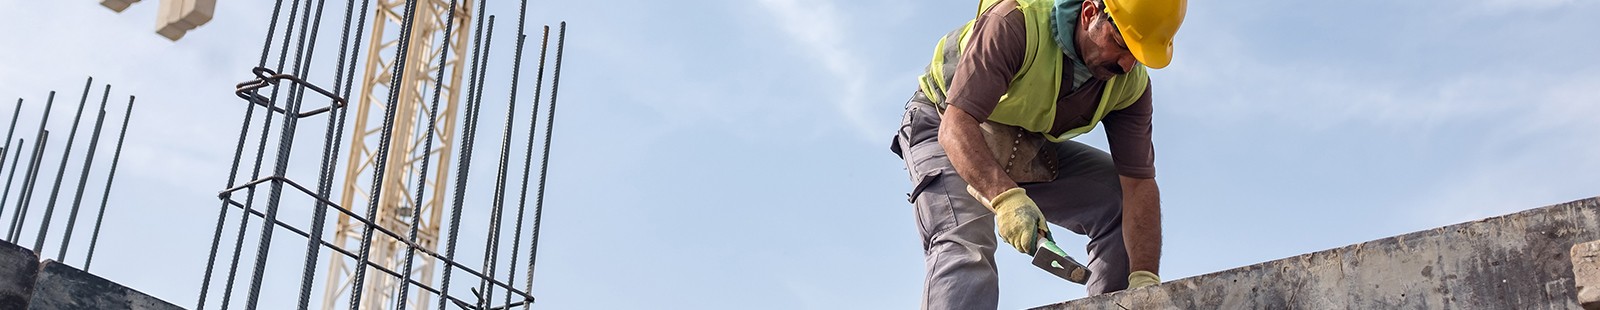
(1030, 101)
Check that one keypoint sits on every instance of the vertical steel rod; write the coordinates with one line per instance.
(382, 157)
(61, 173)
(348, 81)
(27, 176)
(291, 119)
(422, 175)
(83, 179)
(12, 129)
(491, 252)
(527, 162)
(222, 215)
(261, 147)
(266, 48)
(470, 131)
(12, 176)
(250, 195)
(544, 169)
(492, 255)
(105, 197)
(335, 134)
(8, 150)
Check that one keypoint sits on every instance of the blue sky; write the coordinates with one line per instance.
(734, 154)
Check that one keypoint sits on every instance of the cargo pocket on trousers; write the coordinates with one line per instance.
(929, 210)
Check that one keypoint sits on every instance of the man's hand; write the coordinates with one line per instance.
(1018, 217)
(1142, 278)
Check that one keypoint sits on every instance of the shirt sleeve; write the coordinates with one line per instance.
(992, 57)
(1128, 132)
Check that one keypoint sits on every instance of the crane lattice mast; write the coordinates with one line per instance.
(395, 206)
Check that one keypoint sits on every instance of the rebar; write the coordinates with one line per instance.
(266, 47)
(527, 158)
(83, 179)
(61, 173)
(11, 176)
(27, 177)
(330, 147)
(116, 156)
(17, 114)
(544, 165)
(544, 168)
(293, 107)
(225, 195)
(286, 143)
(422, 176)
(382, 157)
(261, 147)
(492, 252)
(470, 131)
(222, 215)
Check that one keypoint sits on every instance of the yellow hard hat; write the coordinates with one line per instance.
(1148, 26)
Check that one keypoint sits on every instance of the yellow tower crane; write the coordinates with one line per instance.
(394, 208)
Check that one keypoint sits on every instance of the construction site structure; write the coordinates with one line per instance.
(395, 206)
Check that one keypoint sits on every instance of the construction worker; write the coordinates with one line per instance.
(986, 141)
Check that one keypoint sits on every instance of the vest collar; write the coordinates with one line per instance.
(1062, 26)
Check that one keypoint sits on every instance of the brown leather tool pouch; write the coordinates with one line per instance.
(1025, 156)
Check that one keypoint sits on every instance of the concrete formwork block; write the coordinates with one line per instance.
(117, 5)
(18, 269)
(1586, 273)
(66, 288)
(177, 17)
(1516, 261)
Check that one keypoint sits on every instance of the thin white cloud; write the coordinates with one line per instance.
(818, 28)
(1524, 133)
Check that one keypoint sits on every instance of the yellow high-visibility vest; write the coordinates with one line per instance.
(1030, 101)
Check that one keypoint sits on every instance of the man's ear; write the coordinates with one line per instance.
(1087, 14)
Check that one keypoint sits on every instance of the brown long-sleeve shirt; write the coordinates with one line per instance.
(995, 53)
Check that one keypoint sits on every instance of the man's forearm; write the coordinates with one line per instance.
(963, 142)
(1141, 223)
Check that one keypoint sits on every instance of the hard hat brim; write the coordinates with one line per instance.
(1155, 55)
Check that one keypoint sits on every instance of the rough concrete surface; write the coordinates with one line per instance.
(1586, 273)
(63, 287)
(1516, 261)
(18, 267)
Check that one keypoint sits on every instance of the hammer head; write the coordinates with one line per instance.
(1055, 261)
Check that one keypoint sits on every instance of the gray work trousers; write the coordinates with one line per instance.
(958, 233)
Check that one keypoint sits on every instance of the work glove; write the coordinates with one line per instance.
(1018, 218)
(1142, 278)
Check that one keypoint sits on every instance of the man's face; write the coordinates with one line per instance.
(1103, 50)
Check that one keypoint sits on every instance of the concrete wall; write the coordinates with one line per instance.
(63, 287)
(18, 268)
(26, 283)
(1517, 261)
